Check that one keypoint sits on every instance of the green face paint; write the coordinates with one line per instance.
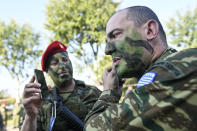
(131, 56)
(60, 69)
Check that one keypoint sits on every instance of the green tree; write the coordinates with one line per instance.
(19, 49)
(3, 94)
(183, 29)
(81, 25)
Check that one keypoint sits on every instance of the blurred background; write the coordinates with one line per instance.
(28, 26)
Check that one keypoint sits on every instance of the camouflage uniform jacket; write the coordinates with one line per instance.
(169, 103)
(80, 101)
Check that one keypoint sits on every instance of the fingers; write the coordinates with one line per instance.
(28, 92)
(31, 99)
(113, 70)
(31, 105)
(31, 89)
(32, 85)
(108, 69)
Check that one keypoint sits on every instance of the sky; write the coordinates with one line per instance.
(33, 13)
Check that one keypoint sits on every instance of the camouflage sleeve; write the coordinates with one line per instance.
(154, 107)
(106, 99)
(91, 97)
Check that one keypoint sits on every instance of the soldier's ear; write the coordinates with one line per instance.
(151, 29)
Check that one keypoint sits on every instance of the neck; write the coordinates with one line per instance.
(67, 87)
(158, 51)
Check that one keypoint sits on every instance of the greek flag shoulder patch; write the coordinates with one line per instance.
(146, 79)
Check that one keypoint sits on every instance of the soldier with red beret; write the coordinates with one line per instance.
(75, 94)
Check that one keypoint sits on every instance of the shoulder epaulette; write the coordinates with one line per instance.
(180, 63)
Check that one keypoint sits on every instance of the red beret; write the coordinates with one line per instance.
(53, 48)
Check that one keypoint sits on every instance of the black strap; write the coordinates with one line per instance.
(66, 114)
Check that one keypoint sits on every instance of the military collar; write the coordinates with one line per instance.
(166, 53)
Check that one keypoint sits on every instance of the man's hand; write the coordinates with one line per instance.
(32, 98)
(111, 80)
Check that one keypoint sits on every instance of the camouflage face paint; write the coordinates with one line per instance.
(135, 56)
(60, 69)
(139, 43)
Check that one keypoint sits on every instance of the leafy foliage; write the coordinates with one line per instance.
(18, 48)
(3, 94)
(183, 30)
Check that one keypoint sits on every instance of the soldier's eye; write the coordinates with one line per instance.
(116, 34)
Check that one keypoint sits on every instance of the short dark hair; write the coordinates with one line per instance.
(141, 14)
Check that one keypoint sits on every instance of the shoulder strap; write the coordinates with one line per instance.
(174, 70)
(79, 83)
(179, 64)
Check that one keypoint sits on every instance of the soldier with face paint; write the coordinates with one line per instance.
(76, 95)
(166, 93)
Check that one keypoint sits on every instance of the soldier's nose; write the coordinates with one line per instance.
(62, 65)
(109, 48)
